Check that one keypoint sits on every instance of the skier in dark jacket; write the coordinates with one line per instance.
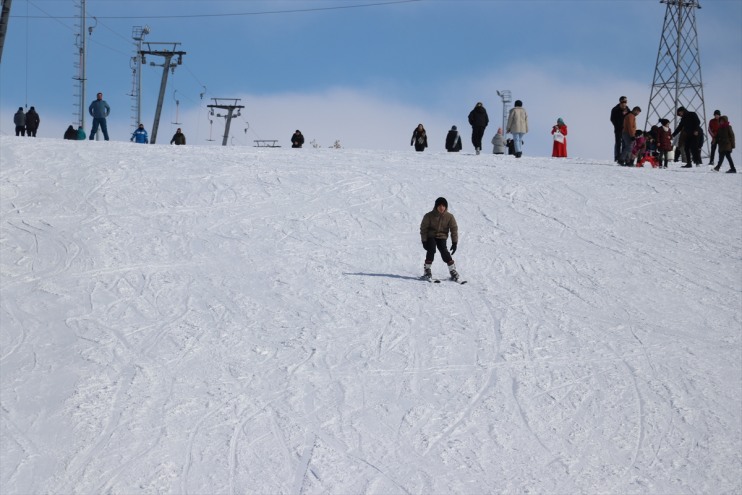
(19, 119)
(297, 139)
(453, 140)
(419, 138)
(691, 125)
(434, 229)
(478, 119)
(618, 113)
(178, 138)
(32, 122)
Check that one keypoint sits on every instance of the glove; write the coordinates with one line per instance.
(453, 247)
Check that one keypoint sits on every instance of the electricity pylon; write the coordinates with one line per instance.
(230, 108)
(677, 74)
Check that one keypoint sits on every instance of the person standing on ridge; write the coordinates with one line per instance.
(32, 122)
(453, 140)
(629, 135)
(100, 111)
(691, 125)
(19, 119)
(618, 113)
(725, 136)
(178, 138)
(478, 120)
(419, 138)
(713, 128)
(434, 229)
(518, 126)
(559, 134)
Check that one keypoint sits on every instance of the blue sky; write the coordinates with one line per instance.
(364, 72)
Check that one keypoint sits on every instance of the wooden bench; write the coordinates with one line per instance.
(266, 143)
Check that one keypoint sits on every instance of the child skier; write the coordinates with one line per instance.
(434, 232)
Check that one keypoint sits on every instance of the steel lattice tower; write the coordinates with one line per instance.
(677, 74)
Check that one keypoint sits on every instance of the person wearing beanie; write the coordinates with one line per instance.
(434, 230)
(725, 136)
(453, 140)
(499, 143)
(559, 134)
(19, 119)
(518, 126)
(32, 122)
(713, 128)
(478, 120)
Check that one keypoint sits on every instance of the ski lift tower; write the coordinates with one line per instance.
(167, 67)
(230, 108)
(677, 74)
(137, 33)
(506, 98)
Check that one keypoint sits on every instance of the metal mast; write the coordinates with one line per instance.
(677, 74)
(80, 78)
(137, 33)
(230, 113)
(4, 17)
(167, 67)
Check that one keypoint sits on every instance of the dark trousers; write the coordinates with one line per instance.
(618, 144)
(103, 128)
(30, 131)
(440, 244)
(20, 130)
(713, 151)
(476, 137)
(692, 149)
(728, 156)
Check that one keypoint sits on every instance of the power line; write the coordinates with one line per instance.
(266, 12)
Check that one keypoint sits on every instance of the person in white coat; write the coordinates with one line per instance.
(499, 143)
(518, 126)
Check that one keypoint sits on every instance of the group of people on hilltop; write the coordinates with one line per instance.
(26, 123)
(517, 126)
(634, 145)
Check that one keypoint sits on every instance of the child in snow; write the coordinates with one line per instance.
(640, 146)
(434, 232)
(664, 142)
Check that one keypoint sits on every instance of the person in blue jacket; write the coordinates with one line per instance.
(140, 135)
(99, 110)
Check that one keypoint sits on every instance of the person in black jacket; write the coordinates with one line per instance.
(691, 125)
(617, 115)
(32, 122)
(419, 138)
(478, 119)
(70, 133)
(178, 138)
(453, 140)
(297, 139)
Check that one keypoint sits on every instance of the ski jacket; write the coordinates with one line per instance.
(664, 139)
(19, 118)
(713, 127)
(70, 134)
(297, 140)
(478, 117)
(437, 226)
(517, 121)
(178, 138)
(617, 116)
(453, 141)
(629, 124)
(81, 134)
(419, 139)
(99, 109)
(32, 120)
(140, 136)
(725, 137)
(689, 123)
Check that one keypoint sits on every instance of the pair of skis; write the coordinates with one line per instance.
(437, 281)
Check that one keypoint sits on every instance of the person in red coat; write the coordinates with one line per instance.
(664, 142)
(559, 133)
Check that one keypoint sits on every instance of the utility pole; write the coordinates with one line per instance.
(4, 18)
(81, 76)
(230, 113)
(677, 75)
(506, 98)
(137, 33)
(166, 66)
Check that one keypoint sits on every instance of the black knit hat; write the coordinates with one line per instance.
(441, 201)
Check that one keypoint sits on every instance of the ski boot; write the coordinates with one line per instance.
(452, 271)
(427, 274)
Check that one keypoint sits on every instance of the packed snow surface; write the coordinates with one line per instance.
(227, 320)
